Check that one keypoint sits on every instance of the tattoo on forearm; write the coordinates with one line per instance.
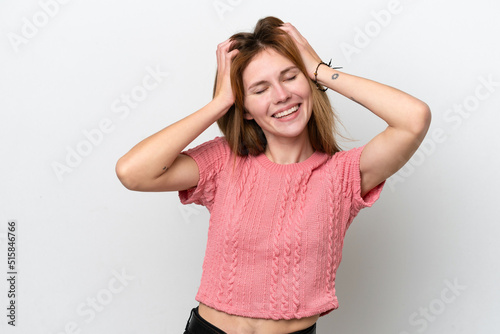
(361, 104)
(335, 76)
(165, 168)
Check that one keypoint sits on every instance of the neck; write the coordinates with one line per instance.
(289, 150)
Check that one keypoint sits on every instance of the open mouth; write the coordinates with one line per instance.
(286, 112)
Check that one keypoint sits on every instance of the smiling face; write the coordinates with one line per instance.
(277, 96)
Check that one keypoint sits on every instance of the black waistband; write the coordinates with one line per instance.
(197, 325)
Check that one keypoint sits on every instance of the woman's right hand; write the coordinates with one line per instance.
(223, 90)
(153, 165)
(309, 56)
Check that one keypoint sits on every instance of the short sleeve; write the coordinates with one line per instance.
(348, 161)
(211, 158)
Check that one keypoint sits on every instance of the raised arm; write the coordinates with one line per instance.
(408, 118)
(155, 164)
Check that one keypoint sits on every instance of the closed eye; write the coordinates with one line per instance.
(260, 91)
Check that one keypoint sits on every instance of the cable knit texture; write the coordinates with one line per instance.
(276, 231)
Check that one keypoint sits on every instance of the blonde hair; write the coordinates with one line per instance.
(245, 136)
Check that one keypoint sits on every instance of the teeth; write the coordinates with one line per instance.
(286, 112)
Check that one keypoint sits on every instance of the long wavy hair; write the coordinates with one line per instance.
(246, 136)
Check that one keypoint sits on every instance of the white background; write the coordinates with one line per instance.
(435, 226)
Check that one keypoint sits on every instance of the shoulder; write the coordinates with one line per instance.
(217, 147)
(219, 141)
(350, 156)
(344, 166)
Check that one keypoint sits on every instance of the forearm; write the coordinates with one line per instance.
(398, 109)
(150, 158)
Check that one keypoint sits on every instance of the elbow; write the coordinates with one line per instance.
(421, 120)
(125, 174)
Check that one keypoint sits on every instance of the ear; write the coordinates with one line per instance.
(247, 116)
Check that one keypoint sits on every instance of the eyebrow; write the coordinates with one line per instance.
(289, 68)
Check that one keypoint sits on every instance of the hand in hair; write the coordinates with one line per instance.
(223, 90)
(309, 56)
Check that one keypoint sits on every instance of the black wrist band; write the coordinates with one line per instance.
(318, 86)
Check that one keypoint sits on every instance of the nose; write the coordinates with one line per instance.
(281, 93)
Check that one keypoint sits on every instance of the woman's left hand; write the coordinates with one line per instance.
(309, 56)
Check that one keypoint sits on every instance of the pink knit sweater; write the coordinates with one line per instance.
(276, 231)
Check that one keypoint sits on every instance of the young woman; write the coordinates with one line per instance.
(280, 192)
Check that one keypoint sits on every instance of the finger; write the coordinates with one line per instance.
(224, 59)
(292, 31)
(233, 53)
(224, 46)
(227, 65)
(221, 53)
(224, 65)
